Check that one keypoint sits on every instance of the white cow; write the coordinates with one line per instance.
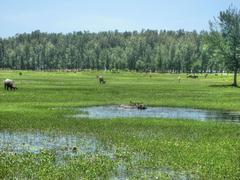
(8, 83)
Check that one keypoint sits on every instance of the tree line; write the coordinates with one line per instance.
(179, 51)
(163, 51)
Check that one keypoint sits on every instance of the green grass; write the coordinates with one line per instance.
(146, 148)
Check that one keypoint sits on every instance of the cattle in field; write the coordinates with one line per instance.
(9, 84)
(192, 76)
(101, 79)
(134, 105)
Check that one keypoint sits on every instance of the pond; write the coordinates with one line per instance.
(108, 112)
(63, 145)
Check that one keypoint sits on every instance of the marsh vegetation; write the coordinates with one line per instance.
(37, 119)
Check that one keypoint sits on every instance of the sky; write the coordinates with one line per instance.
(65, 16)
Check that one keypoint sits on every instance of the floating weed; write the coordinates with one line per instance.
(61, 149)
(62, 145)
(168, 173)
(123, 171)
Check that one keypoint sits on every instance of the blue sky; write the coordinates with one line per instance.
(18, 16)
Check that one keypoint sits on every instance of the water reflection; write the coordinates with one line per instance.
(101, 112)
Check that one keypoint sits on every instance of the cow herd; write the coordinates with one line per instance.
(10, 84)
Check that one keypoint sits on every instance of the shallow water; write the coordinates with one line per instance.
(108, 112)
(71, 145)
(18, 142)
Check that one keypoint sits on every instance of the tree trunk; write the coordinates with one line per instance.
(235, 77)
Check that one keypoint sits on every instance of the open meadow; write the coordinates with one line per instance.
(44, 140)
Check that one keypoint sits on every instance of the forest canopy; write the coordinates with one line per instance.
(162, 51)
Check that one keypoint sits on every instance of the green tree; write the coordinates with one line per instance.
(228, 23)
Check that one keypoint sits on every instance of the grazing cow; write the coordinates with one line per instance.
(192, 76)
(101, 79)
(179, 79)
(141, 106)
(8, 83)
(195, 76)
(137, 105)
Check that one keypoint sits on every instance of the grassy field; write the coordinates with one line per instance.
(134, 148)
